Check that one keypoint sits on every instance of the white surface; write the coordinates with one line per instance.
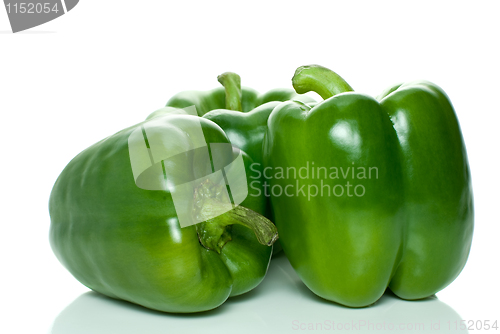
(280, 304)
(107, 64)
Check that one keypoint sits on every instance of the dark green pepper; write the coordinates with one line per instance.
(115, 227)
(387, 201)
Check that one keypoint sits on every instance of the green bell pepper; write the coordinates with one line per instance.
(370, 194)
(118, 232)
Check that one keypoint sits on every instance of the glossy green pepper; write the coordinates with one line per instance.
(116, 227)
(381, 195)
(242, 113)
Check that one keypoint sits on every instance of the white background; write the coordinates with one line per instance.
(107, 64)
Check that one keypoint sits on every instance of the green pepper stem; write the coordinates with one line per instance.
(319, 79)
(232, 84)
(264, 229)
(215, 233)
